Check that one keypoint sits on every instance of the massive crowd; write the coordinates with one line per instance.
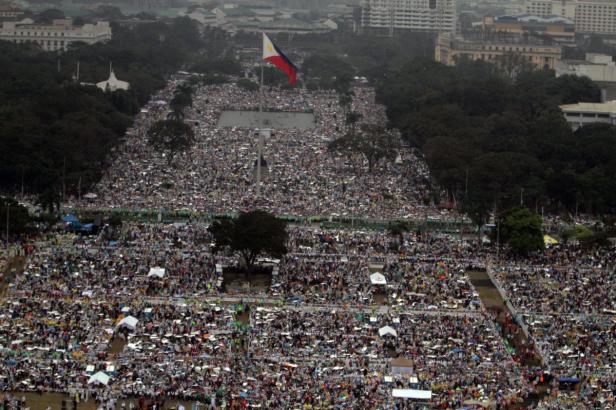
(65, 313)
(147, 310)
(304, 178)
(566, 298)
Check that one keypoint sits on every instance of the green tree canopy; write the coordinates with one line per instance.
(521, 230)
(252, 234)
(170, 137)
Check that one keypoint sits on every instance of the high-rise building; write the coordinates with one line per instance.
(595, 16)
(590, 16)
(413, 15)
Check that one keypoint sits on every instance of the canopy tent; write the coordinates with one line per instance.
(378, 279)
(548, 240)
(99, 378)
(156, 271)
(387, 330)
(129, 322)
(412, 394)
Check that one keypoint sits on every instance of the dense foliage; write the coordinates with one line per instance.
(55, 135)
(521, 230)
(252, 234)
(18, 219)
(493, 141)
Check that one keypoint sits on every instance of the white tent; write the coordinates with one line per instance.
(129, 321)
(387, 330)
(156, 271)
(99, 378)
(412, 394)
(378, 279)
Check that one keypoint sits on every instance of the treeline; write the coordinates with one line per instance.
(55, 135)
(493, 142)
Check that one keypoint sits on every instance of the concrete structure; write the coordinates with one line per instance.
(450, 48)
(590, 16)
(290, 25)
(595, 16)
(598, 67)
(558, 28)
(578, 115)
(56, 36)
(412, 15)
(545, 8)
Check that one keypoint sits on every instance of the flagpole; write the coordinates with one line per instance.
(260, 144)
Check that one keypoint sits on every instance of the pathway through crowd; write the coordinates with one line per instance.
(512, 333)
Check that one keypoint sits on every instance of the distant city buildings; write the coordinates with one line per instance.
(494, 48)
(581, 114)
(558, 28)
(590, 16)
(411, 15)
(56, 36)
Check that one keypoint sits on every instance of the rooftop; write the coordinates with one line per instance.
(607, 107)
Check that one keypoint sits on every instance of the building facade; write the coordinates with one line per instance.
(56, 36)
(581, 114)
(595, 16)
(590, 16)
(598, 67)
(449, 49)
(412, 15)
(558, 28)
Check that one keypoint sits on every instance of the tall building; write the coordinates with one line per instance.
(547, 8)
(495, 49)
(590, 16)
(413, 15)
(595, 16)
(56, 36)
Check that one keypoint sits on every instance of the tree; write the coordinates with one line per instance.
(19, 219)
(345, 100)
(181, 100)
(521, 230)
(170, 137)
(252, 234)
(373, 142)
(352, 118)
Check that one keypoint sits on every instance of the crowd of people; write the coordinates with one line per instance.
(565, 296)
(303, 178)
(144, 312)
(65, 314)
(563, 279)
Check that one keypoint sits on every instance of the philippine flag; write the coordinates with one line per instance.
(273, 54)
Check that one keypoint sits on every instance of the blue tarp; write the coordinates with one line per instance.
(70, 218)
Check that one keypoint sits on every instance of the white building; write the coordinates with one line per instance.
(578, 115)
(56, 36)
(590, 16)
(413, 15)
(598, 67)
(112, 83)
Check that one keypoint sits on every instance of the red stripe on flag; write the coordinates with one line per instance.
(283, 64)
